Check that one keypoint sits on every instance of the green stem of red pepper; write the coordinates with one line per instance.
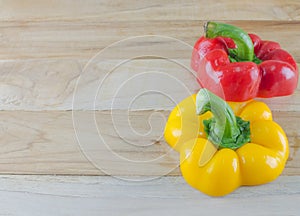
(245, 48)
(225, 130)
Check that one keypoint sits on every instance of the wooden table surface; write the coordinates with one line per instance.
(86, 88)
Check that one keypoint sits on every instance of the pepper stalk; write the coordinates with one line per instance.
(245, 47)
(224, 129)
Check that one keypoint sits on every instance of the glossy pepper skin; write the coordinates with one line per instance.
(238, 66)
(215, 170)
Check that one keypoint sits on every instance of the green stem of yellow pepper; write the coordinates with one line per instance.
(225, 130)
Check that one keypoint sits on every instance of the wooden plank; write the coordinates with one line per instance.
(51, 84)
(149, 10)
(46, 143)
(82, 39)
(139, 84)
(82, 195)
(102, 142)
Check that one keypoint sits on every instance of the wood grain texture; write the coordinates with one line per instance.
(100, 85)
(46, 56)
(49, 143)
(82, 39)
(82, 195)
(138, 84)
(60, 62)
(150, 10)
(114, 143)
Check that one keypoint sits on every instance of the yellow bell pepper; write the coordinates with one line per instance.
(225, 145)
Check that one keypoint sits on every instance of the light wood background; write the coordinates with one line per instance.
(71, 103)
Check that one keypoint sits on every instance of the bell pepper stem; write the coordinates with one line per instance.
(224, 130)
(245, 48)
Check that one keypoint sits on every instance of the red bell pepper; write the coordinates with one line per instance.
(238, 66)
